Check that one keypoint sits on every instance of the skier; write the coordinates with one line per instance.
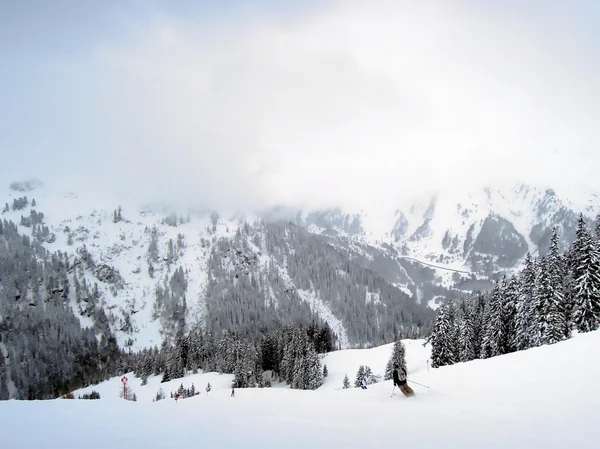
(232, 391)
(207, 388)
(400, 381)
(363, 384)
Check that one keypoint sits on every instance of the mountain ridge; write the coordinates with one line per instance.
(434, 251)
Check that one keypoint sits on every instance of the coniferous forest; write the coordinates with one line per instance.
(552, 297)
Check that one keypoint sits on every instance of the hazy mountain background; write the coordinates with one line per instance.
(245, 167)
(143, 273)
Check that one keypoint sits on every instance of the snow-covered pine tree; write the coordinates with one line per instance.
(370, 377)
(181, 355)
(443, 341)
(239, 378)
(297, 349)
(398, 356)
(346, 383)
(195, 349)
(299, 380)
(147, 366)
(539, 290)
(466, 331)
(509, 312)
(586, 262)
(568, 289)
(549, 297)
(476, 306)
(313, 374)
(525, 313)
(495, 333)
(269, 354)
(289, 345)
(360, 374)
(170, 362)
(486, 344)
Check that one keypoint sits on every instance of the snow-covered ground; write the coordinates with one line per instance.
(546, 397)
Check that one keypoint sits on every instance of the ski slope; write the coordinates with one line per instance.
(546, 397)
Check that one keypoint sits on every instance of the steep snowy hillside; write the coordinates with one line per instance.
(124, 253)
(545, 397)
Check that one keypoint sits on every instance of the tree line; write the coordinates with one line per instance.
(550, 298)
(289, 354)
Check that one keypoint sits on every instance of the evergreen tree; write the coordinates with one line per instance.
(181, 357)
(369, 377)
(397, 357)
(443, 341)
(524, 336)
(346, 383)
(314, 374)
(509, 312)
(466, 332)
(476, 307)
(360, 375)
(495, 331)
(549, 296)
(586, 261)
(486, 343)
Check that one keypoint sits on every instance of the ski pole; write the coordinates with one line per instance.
(418, 383)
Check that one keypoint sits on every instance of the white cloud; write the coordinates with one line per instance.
(359, 103)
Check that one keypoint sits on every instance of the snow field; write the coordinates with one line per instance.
(547, 397)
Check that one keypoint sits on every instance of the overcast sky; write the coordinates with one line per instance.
(250, 103)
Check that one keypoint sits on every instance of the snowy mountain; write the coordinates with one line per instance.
(545, 397)
(142, 272)
(486, 230)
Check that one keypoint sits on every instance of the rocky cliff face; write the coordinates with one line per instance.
(485, 232)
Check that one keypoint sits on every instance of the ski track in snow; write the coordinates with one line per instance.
(521, 400)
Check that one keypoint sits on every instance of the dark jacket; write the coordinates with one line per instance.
(397, 380)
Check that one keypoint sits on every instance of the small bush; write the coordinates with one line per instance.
(92, 395)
